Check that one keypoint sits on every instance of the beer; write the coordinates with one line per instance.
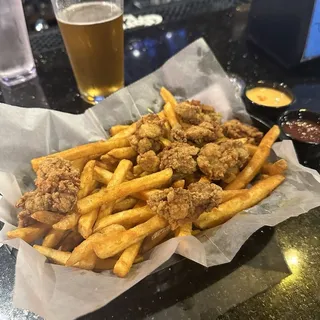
(93, 36)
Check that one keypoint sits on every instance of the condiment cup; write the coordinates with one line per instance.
(272, 113)
(308, 152)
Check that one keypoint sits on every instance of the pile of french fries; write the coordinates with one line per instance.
(112, 226)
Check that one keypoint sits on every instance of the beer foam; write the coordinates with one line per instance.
(89, 13)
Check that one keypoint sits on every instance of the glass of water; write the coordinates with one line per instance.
(16, 60)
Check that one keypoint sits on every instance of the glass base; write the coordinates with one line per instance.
(92, 100)
(20, 78)
(95, 99)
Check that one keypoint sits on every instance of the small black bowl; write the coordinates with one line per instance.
(271, 113)
(308, 152)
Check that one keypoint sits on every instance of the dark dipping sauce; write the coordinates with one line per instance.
(303, 130)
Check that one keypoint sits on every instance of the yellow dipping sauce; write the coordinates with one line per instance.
(269, 97)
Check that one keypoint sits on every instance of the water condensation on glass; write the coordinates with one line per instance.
(15, 55)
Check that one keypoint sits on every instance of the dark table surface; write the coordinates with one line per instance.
(186, 290)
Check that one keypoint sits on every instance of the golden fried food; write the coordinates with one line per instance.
(72, 239)
(123, 153)
(153, 240)
(148, 162)
(215, 160)
(102, 175)
(56, 256)
(272, 169)
(180, 206)
(237, 204)
(125, 204)
(105, 203)
(68, 222)
(171, 115)
(31, 233)
(149, 130)
(57, 187)
(168, 97)
(86, 223)
(184, 230)
(87, 181)
(108, 246)
(180, 157)
(234, 129)
(118, 177)
(124, 189)
(129, 218)
(257, 161)
(118, 128)
(96, 148)
(126, 260)
(53, 238)
(84, 251)
(47, 217)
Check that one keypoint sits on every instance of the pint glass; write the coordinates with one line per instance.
(92, 32)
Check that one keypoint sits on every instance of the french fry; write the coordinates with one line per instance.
(108, 264)
(105, 264)
(118, 128)
(251, 149)
(230, 208)
(179, 184)
(55, 256)
(129, 218)
(144, 195)
(231, 175)
(109, 160)
(153, 240)
(162, 116)
(68, 222)
(263, 176)
(86, 223)
(229, 194)
(195, 232)
(165, 142)
(140, 204)
(171, 115)
(47, 217)
(167, 96)
(70, 241)
(87, 181)
(102, 175)
(226, 194)
(272, 169)
(117, 178)
(123, 153)
(80, 163)
(125, 133)
(84, 254)
(257, 161)
(53, 238)
(125, 204)
(108, 246)
(185, 230)
(125, 262)
(31, 233)
(124, 189)
(204, 179)
(86, 150)
(137, 170)
(105, 166)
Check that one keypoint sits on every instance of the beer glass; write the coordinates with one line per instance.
(92, 32)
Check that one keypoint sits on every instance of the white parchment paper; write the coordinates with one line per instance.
(57, 292)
